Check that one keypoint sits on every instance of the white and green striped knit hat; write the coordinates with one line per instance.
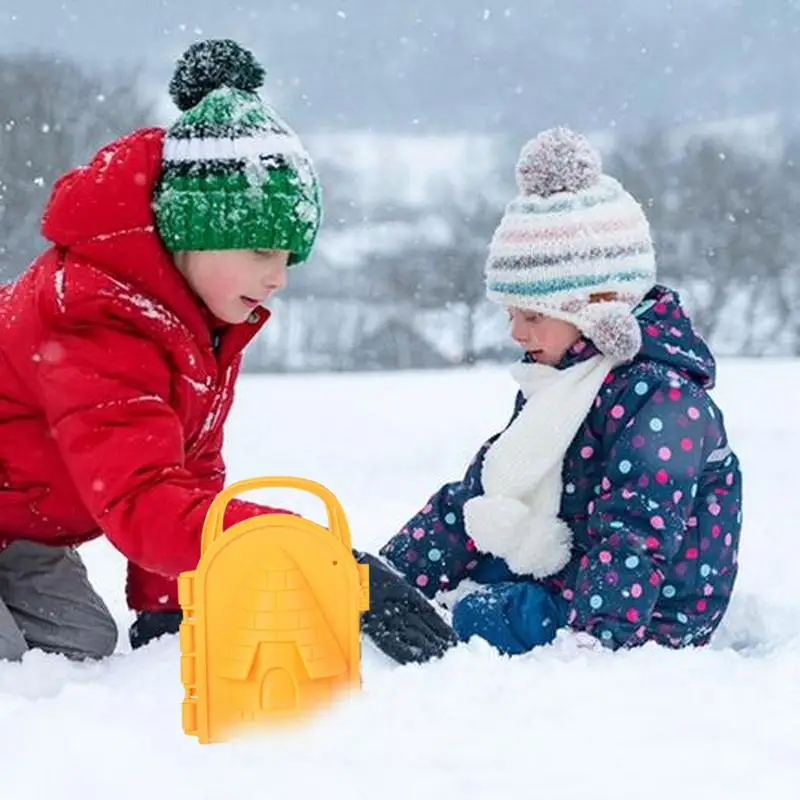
(573, 244)
(235, 175)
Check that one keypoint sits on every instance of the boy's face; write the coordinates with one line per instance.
(547, 339)
(233, 282)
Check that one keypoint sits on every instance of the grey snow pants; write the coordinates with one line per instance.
(47, 603)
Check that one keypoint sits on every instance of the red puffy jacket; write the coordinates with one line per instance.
(112, 394)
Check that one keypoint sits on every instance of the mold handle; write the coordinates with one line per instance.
(337, 522)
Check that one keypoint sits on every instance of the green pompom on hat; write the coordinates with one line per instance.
(235, 175)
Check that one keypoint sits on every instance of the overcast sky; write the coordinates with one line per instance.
(444, 65)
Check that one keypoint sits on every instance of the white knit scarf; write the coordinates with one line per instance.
(517, 516)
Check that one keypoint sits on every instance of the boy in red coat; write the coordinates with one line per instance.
(121, 344)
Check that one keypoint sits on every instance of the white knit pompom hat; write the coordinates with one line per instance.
(573, 244)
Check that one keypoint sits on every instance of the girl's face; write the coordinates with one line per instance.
(545, 338)
(233, 282)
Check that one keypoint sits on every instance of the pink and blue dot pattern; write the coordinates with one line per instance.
(651, 490)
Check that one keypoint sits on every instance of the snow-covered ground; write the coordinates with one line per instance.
(561, 722)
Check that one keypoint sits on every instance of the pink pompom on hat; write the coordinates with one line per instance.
(573, 244)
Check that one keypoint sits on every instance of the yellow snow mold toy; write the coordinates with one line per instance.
(271, 617)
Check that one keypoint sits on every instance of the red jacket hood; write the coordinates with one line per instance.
(101, 213)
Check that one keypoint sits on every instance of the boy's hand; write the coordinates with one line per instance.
(150, 625)
(401, 622)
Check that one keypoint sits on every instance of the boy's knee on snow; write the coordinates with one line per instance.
(101, 641)
(94, 640)
(93, 644)
(12, 646)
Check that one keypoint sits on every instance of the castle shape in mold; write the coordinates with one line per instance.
(271, 626)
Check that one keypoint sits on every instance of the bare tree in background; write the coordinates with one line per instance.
(458, 265)
(784, 213)
(443, 267)
(723, 217)
(53, 115)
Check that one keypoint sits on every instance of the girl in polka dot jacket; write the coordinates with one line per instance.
(611, 502)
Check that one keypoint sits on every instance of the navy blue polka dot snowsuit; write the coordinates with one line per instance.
(652, 491)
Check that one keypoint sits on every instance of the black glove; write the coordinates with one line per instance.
(150, 625)
(401, 622)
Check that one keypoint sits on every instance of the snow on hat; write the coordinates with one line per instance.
(573, 244)
(235, 176)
